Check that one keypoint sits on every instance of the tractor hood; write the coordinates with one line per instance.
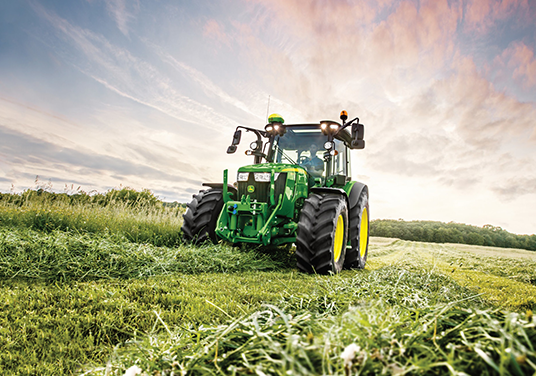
(268, 167)
(261, 173)
(265, 182)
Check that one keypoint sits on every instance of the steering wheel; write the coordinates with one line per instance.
(304, 160)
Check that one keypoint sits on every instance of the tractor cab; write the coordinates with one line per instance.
(306, 146)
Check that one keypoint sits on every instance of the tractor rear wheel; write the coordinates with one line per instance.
(200, 219)
(356, 257)
(322, 234)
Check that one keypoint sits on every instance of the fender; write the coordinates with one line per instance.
(332, 190)
(355, 193)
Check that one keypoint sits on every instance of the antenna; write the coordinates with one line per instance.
(268, 109)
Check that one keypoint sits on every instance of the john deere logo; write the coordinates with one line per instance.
(251, 189)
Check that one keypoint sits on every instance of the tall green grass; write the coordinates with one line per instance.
(139, 221)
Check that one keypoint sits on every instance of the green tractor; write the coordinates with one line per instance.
(298, 190)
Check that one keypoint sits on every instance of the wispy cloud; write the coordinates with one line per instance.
(129, 76)
(41, 155)
(204, 82)
(122, 16)
(213, 29)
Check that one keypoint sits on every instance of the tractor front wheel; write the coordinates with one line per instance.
(200, 219)
(322, 234)
(356, 257)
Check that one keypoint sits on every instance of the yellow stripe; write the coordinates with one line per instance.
(292, 170)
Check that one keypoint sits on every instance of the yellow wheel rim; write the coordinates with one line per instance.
(339, 237)
(363, 233)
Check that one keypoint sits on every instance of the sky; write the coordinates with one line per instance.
(103, 94)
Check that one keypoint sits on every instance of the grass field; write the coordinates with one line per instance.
(100, 300)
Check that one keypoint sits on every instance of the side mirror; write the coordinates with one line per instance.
(358, 132)
(358, 144)
(231, 149)
(236, 138)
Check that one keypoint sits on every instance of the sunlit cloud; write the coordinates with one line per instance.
(445, 89)
(520, 60)
(481, 15)
(213, 29)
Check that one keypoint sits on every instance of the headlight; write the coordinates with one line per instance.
(328, 145)
(264, 177)
(253, 145)
(242, 176)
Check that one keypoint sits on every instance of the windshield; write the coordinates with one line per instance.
(302, 146)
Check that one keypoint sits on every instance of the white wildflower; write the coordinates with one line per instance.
(349, 353)
(133, 371)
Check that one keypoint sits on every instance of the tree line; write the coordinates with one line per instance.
(440, 232)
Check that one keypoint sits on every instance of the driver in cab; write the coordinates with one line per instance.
(313, 164)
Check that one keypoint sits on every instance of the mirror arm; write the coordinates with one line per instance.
(346, 125)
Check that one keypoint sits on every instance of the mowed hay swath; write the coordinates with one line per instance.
(77, 300)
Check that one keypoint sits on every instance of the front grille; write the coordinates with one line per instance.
(262, 190)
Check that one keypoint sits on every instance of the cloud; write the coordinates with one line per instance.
(39, 154)
(214, 30)
(122, 16)
(523, 186)
(204, 82)
(519, 58)
(481, 15)
(120, 71)
(484, 116)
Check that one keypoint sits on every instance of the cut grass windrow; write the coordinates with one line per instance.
(71, 298)
(499, 280)
(371, 339)
(81, 322)
(64, 256)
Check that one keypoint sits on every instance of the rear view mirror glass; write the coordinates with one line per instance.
(231, 149)
(358, 131)
(236, 138)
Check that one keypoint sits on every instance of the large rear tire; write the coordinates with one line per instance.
(356, 257)
(201, 217)
(322, 234)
